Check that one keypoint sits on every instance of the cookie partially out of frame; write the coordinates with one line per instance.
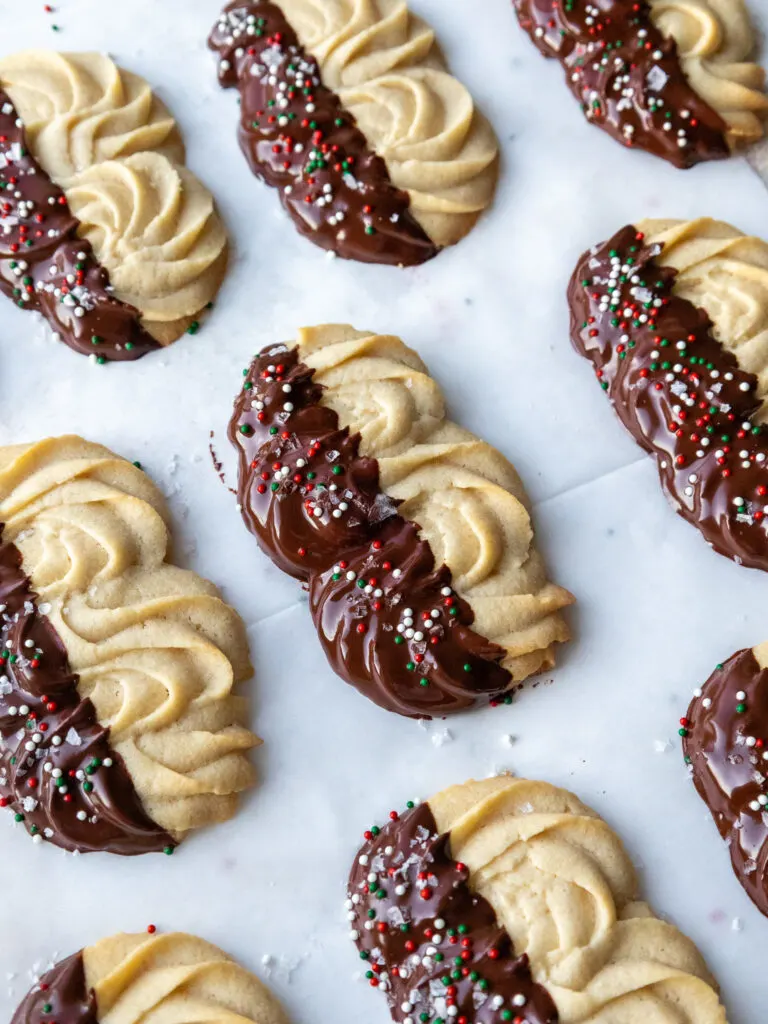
(674, 317)
(676, 78)
(511, 901)
(413, 535)
(103, 229)
(348, 109)
(120, 730)
(725, 742)
(169, 979)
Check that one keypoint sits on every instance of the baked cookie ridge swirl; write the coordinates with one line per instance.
(171, 977)
(725, 744)
(673, 77)
(348, 109)
(572, 941)
(671, 349)
(148, 654)
(113, 149)
(425, 585)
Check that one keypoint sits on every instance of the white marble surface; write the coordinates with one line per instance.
(657, 609)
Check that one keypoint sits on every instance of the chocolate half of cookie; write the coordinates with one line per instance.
(59, 775)
(46, 267)
(389, 620)
(678, 389)
(627, 77)
(61, 995)
(297, 137)
(725, 743)
(432, 945)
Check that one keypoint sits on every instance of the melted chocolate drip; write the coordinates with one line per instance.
(298, 138)
(60, 996)
(58, 773)
(427, 940)
(390, 623)
(627, 76)
(45, 267)
(677, 390)
(725, 741)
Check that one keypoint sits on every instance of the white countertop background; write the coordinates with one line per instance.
(657, 609)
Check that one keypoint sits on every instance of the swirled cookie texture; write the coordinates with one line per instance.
(379, 153)
(113, 153)
(674, 315)
(120, 728)
(171, 979)
(725, 744)
(414, 535)
(676, 78)
(509, 900)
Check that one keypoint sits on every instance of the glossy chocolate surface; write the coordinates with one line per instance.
(725, 742)
(58, 774)
(389, 620)
(60, 996)
(627, 76)
(298, 138)
(430, 943)
(45, 267)
(677, 390)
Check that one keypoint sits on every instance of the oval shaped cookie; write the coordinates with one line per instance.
(172, 977)
(676, 78)
(108, 234)
(725, 743)
(674, 317)
(348, 109)
(509, 900)
(120, 729)
(414, 535)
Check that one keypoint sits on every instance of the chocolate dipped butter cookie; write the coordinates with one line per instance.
(676, 78)
(674, 317)
(510, 901)
(413, 535)
(348, 109)
(103, 230)
(169, 979)
(725, 742)
(119, 727)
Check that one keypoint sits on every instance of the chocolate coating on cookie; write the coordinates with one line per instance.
(58, 773)
(45, 267)
(389, 621)
(60, 995)
(627, 77)
(678, 390)
(427, 940)
(725, 742)
(297, 137)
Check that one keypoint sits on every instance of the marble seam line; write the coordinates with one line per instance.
(302, 601)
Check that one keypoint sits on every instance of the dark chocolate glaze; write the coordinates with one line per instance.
(58, 773)
(59, 996)
(45, 267)
(627, 76)
(316, 507)
(677, 390)
(298, 138)
(427, 940)
(725, 742)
